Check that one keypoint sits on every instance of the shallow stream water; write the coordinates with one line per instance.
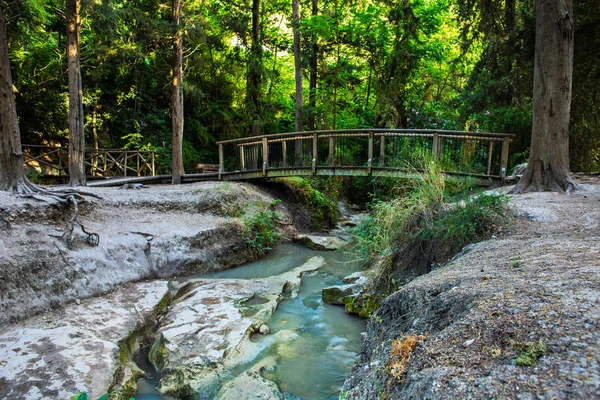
(314, 364)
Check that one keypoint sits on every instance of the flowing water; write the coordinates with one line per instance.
(314, 364)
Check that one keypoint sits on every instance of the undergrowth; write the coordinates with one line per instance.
(322, 205)
(260, 233)
(422, 225)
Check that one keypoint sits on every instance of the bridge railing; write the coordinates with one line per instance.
(54, 161)
(366, 152)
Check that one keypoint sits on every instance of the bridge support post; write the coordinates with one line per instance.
(436, 148)
(504, 157)
(315, 154)
(284, 150)
(125, 164)
(331, 150)
(265, 155)
(242, 159)
(152, 159)
(370, 155)
(382, 151)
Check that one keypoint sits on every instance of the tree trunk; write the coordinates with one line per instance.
(312, 85)
(548, 168)
(255, 72)
(298, 75)
(297, 65)
(12, 172)
(76, 135)
(177, 96)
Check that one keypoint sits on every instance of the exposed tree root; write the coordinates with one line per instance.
(92, 238)
(538, 178)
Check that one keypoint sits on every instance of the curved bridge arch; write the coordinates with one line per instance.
(365, 152)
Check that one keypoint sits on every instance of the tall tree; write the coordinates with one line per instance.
(312, 84)
(297, 65)
(254, 81)
(548, 167)
(12, 172)
(177, 95)
(76, 134)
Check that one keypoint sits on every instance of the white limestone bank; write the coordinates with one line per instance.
(156, 232)
(75, 349)
(207, 331)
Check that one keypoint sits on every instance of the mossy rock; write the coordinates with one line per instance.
(364, 305)
(159, 355)
(336, 294)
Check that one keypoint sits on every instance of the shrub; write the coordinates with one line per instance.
(259, 231)
(420, 229)
(322, 208)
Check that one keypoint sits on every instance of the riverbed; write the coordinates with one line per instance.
(314, 363)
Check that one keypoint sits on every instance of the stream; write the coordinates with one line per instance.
(315, 363)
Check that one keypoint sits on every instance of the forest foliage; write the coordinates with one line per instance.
(448, 64)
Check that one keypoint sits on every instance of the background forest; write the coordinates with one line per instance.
(447, 64)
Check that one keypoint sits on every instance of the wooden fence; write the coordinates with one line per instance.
(54, 161)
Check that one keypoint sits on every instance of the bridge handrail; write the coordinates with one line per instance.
(367, 131)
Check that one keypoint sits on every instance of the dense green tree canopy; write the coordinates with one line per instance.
(459, 64)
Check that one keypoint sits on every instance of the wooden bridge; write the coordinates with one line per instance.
(365, 152)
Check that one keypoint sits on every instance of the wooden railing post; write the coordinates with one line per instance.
(242, 159)
(490, 152)
(284, 149)
(331, 149)
(435, 151)
(221, 161)
(382, 151)
(125, 164)
(152, 160)
(504, 157)
(370, 152)
(265, 154)
(315, 153)
(138, 162)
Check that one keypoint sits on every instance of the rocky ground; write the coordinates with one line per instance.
(156, 232)
(57, 336)
(517, 316)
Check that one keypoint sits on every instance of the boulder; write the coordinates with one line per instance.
(321, 243)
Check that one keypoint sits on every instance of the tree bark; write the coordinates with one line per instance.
(177, 96)
(312, 85)
(548, 167)
(76, 134)
(12, 172)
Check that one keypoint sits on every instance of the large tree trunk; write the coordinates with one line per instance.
(177, 96)
(76, 135)
(548, 168)
(255, 72)
(12, 172)
(312, 85)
